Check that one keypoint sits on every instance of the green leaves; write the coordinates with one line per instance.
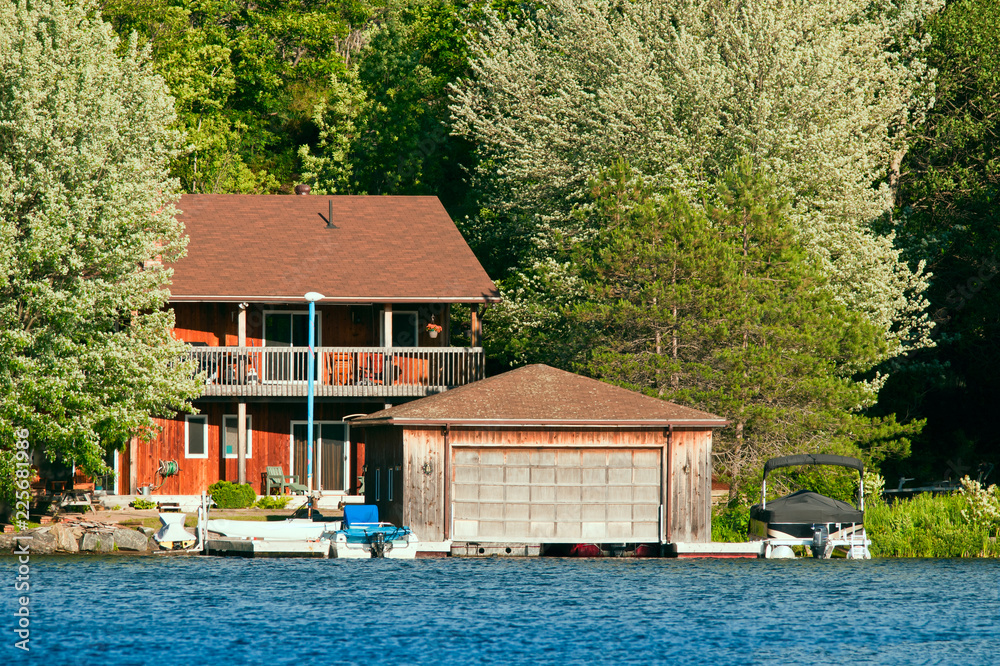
(85, 351)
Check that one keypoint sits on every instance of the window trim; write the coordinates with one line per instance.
(319, 325)
(416, 328)
(222, 439)
(187, 436)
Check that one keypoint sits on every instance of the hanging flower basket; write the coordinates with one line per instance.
(434, 329)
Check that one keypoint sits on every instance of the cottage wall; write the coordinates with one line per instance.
(271, 426)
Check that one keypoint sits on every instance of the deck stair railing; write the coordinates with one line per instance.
(340, 371)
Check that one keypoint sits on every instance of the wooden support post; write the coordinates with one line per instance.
(241, 409)
(446, 324)
(387, 325)
(477, 328)
(133, 475)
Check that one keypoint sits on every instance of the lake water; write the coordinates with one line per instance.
(146, 610)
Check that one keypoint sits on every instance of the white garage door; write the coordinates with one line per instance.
(556, 495)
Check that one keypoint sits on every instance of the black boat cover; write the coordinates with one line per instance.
(812, 459)
(806, 506)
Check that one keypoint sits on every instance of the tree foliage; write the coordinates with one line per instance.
(86, 207)
(948, 215)
(720, 307)
(246, 76)
(823, 96)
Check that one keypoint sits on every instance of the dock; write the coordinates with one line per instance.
(750, 549)
(224, 546)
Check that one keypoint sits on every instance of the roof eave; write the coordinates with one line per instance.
(563, 423)
(350, 300)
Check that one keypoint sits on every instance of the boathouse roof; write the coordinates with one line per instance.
(544, 396)
(376, 249)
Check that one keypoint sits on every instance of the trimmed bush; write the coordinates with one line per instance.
(228, 495)
(272, 503)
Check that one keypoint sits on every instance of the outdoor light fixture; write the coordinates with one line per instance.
(312, 297)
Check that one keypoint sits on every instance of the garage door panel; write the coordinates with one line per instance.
(559, 495)
(491, 457)
(545, 512)
(569, 494)
(518, 459)
(543, 494)
(466, 456)
(491, 493)
(543, 476)
(542, 458)
(466, 474)
(646, 476)
(517, 511)
(650, 458)
(519, 493)
(518, 475)
(619, 493)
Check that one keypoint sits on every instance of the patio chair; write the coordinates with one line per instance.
(276, 478)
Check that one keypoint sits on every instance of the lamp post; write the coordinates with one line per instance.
(312, 297)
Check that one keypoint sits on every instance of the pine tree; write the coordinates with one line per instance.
(727, 312)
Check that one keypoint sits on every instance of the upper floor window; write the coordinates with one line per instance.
(284, 328)
(404, 329)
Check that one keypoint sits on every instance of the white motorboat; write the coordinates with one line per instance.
(292, 529)
(363, 536)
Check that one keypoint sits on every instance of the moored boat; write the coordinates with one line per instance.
(364, 536)
(806, 518)
(293, 529)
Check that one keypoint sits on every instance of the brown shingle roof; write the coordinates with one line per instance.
(541, 395)
(383, 249)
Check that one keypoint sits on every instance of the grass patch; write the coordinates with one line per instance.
(928, 526)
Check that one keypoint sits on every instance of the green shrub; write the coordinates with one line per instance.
(228, 495)
(271, 503)
(729, 524)
(142, 503)
(927, 526)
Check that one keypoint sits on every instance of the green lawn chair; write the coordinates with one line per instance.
(277, 479)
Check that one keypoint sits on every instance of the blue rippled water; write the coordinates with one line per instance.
(148, 610)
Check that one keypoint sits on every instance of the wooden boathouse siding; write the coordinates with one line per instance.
(540, 483)
(689, 508)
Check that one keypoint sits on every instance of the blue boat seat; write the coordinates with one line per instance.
(356, 515)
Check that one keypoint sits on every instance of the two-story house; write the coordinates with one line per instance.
(387, 267)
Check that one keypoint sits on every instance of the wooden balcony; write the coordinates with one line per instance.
(361, 372)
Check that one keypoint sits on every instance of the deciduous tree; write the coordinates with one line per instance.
(87, 214)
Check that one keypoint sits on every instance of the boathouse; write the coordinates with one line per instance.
(540, 455)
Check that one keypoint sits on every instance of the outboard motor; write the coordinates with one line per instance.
(378, 545)
(821, 536)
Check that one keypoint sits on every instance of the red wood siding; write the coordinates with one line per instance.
(271, 424)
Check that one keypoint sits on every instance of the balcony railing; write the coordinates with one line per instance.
(340, 371)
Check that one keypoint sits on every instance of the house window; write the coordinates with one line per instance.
(404, 328)
(331, 453)
(195, 436)
(286, 328)
(378, 484)
(230, 436)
